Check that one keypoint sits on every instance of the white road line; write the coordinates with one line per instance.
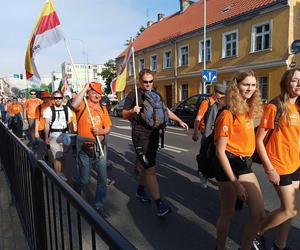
(175, 128)
(166, 147)
(123, 120)
(123, 127)
(174, 133)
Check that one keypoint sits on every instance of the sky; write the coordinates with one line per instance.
(103, 26)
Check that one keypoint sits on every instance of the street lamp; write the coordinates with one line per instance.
(85, 57)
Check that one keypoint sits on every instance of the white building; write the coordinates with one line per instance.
(84, 73)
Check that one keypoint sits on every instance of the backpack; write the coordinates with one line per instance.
(279, 111)
(210, 117)
(154, 112)
(65, 109)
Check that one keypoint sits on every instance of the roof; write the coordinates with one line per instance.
(191, 19)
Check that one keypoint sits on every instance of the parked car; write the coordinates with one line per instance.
(187, 109)
(117, 110)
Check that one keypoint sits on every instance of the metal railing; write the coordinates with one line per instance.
(52, 214)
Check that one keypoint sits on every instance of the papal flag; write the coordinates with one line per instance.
(118, 84)
(46, 32)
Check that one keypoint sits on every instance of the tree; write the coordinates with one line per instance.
(140, 31)
(108, 73)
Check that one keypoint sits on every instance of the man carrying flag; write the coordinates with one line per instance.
(46, 32)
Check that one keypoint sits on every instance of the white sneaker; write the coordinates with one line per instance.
(203, 180)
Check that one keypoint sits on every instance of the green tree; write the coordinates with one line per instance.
(108, 73)
(140, 31)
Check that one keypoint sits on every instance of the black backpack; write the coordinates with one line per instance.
(276, 102)
(65, 109)
(206, 157)
(154, 112)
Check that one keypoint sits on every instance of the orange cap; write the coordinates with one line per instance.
(45, 94)
(97, 86)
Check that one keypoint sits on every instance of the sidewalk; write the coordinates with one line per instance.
(11, 233)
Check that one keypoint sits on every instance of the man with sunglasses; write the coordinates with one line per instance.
(29, 114)
(145, 141)
(58, 119)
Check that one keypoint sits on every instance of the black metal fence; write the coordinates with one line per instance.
(53, 216)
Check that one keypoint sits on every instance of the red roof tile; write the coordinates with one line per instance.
(192, 19)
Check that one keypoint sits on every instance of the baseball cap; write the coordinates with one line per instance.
(221, 88)
(96, 86)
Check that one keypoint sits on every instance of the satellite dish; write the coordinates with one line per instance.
(295, 47)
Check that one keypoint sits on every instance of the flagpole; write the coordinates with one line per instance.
(134, 77)
(84, 98)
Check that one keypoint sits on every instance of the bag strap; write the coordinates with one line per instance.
(277, 103)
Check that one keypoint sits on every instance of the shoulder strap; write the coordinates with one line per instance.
(66, 110)
(53, 114)
(81, 113)
(277, 102)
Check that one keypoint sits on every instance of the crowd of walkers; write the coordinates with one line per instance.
(242, 127)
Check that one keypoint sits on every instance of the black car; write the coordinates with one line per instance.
(117, 110)
(187, 109)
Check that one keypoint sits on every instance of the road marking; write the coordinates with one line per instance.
(123, 120)
(123, 127)
(174, 133)
(166, 147)
(175, 128)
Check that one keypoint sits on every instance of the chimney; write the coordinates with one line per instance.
(160, 16)
(149, 23)
(184, 4)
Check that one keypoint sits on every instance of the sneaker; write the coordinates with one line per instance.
(275, 247)
(203, 180)
(259, 242)
(63, 177)
(163, 209)
(142, 196)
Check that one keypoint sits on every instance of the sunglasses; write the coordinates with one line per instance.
(151, 81)
(57, 98)
(33, 94)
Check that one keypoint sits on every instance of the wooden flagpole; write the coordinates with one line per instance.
(134, 76)
(84, 98)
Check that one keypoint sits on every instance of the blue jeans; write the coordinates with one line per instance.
(85, 166)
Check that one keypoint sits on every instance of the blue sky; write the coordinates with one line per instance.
(103, 26)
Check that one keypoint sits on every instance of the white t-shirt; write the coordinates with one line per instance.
(60, 118)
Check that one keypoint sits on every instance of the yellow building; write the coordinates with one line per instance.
(240, 34)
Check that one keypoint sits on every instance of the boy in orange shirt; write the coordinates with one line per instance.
(280, 156)
(15, 121)
(235, 144)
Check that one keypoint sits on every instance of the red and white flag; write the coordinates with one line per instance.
(46, 32)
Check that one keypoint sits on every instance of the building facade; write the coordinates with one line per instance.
(82, 74)
(240, 35)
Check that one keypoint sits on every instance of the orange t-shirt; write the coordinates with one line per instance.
(240, 132)
(39, 114)
(30, 106)
(202, 110)
(283, 146)
(100, 117)
(15, 108)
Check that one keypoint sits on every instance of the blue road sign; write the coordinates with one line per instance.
(16, 76)
(209, 75)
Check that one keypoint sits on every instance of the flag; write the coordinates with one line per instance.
(118, 84)
(46, 32)
(65, 86)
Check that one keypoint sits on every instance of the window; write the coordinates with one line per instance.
(168, 59)
(130, 73)
(208, 50)
(153, 64)
(264, 89)
(261, 36)
(183, 55)
(141, 64)
(190, 103)
(184, 91)
(229, 44)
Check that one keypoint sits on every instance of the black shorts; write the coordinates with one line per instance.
(240, 165)
(145, 143)
(287, 179)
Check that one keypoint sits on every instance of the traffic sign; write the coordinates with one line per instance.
(16, 76)
(209, 75)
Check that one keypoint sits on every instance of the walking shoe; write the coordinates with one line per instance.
(142, 196)
(275, 247)
(163, 209)
(259, 242)
(203, 180)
